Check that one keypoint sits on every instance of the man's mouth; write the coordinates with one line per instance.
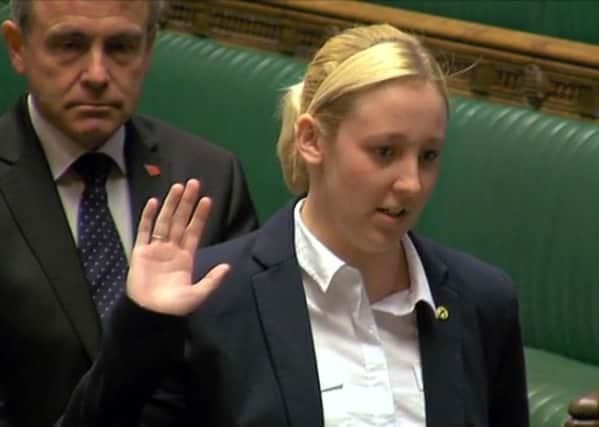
(93, 105)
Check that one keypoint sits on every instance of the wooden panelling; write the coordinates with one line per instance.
(500, 65)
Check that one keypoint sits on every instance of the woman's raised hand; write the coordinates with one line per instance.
(162, 261)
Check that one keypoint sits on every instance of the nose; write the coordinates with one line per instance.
(407, 176)
(95, 75)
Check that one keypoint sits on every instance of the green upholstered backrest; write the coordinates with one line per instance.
(229, 95)
(518, 188)
(11, 85)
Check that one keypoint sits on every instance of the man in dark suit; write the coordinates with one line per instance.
(85, 63)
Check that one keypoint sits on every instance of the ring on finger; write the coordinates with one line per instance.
(158, 237)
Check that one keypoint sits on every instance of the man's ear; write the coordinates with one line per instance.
(308, 139)
(15, 40)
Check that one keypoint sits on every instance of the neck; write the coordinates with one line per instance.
(384, 273)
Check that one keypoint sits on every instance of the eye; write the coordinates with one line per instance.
(123, 47)
(429, 156)
(68, 44)
(384, 152)
(71, 45)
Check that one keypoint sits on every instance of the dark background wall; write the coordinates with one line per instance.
(574, 19)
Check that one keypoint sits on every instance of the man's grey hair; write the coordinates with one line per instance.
(21, 13)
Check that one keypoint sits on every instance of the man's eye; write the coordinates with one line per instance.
(68, 45)
(125, 47)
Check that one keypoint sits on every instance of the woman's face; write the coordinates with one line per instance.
(370, 182)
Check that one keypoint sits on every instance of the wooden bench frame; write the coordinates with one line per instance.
(499, 65)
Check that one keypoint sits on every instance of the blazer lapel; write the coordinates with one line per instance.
(440, 345)
(281, 305)
(29, 190)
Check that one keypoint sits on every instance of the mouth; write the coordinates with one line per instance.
(93, 105)
(393, 212)
(93, 110)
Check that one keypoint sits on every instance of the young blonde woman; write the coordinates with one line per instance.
(333, 313)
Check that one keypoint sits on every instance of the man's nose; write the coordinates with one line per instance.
(96, 73)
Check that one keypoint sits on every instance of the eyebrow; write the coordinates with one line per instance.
(62, 30)
(397, 138)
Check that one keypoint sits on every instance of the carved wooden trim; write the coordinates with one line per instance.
(514, 67)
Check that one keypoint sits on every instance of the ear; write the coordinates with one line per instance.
(15, 41)
(308, 139)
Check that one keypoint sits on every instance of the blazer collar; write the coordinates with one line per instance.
(440, 339)
(281, 304)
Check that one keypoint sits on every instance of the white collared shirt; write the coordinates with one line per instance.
(367, 355)
(61, 152)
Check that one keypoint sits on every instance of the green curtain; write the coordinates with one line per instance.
(574, 19)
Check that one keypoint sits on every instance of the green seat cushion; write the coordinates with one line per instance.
(553, 381)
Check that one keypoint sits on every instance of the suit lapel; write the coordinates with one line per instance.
(30, 193)
(441, 345)
(148, 173)
(282, 308)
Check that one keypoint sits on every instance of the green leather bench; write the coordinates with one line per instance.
(517, 188)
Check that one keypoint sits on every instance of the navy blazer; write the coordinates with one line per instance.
(49, 329)
(250, 356)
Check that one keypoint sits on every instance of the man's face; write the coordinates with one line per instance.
(85, 62)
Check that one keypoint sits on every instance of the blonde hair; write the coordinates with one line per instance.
(353, 60)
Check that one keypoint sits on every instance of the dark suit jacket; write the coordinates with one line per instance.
(49, 329)
(250, 355)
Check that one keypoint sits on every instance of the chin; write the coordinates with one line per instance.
(92, 138)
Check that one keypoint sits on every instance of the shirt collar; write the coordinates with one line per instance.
(404, 302)
(313, 257)
(61, 151)
(322, 265)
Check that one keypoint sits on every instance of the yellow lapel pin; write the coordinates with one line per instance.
(442, 313)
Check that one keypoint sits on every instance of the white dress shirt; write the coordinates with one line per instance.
(367, 355)
(61, 152)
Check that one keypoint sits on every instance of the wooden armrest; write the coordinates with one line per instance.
(584, 411)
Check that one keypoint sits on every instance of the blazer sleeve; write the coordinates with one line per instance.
(509, 402)
(3, 415)
(138, 352)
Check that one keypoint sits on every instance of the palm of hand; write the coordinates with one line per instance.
(162, 261)
(160, 278)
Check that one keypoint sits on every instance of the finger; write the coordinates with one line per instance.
(195, 228)
(163, 222)
(208, 284)
(144, 229)
(184, 210)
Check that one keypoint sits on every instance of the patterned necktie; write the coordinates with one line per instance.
(100, 246)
